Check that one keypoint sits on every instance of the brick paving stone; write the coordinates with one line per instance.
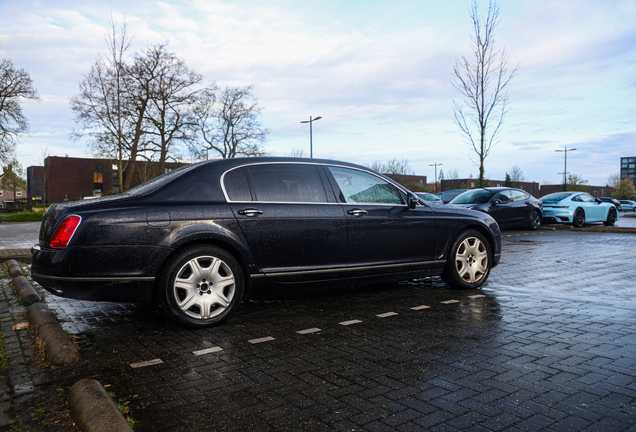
(549, 346)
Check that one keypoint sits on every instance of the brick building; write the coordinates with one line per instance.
(595, 191)
(70, 179)
(7, 199)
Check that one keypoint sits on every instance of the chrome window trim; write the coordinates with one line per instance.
(388, 180)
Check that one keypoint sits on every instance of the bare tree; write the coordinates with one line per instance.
(613, 180)
(298, 153)
(453, 174)
(516, 175)
(173, 93)
(111, 105)
(230, 124)
(482, 80)
(15, 85)
(393, 167)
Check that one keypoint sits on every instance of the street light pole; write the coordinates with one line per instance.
(435, 165)
(311, 143)
(565, 169)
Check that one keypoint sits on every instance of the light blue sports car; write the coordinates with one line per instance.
(577, 208)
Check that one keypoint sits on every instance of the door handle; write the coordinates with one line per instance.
(250, 212)
(357, 212)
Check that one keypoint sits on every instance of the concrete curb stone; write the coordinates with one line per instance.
(58, 347)
(25, 291)
(14, 269)
(94, 410)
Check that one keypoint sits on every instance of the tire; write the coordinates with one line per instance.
(611, 217)
(468, 263)
(534, 220)
(186, 294)
(579, 218)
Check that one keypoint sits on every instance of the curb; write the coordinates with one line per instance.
(94, 410)
(14, 269)
(25, 291)
(56, 343)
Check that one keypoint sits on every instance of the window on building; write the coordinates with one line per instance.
(18, 193)
(98, 181)
(167, 170)
(0, 193)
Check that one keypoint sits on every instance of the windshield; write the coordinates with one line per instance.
(478, 196)
(555, 197)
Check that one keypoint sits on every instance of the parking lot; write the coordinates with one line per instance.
(548, 344)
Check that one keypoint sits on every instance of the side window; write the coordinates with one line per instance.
(299, 183)
(361, 187)
(236, 185)
(587, 198)
(577, 198)
(504, 197)
(518, 195)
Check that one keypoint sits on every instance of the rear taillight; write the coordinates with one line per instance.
(65, 231)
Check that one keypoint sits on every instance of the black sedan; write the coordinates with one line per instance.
(511, 208)
(199, 238)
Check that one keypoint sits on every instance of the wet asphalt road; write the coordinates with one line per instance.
(548, 344)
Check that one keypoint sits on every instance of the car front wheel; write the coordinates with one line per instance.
(611, 217)
(579, 218)
(468, 263)
(201, 286)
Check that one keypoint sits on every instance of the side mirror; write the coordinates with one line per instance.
(413, 201)
(598, 201)
(497, 201)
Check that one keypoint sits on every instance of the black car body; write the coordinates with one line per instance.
(511, 207)
(248, 221)
(614, 201)
(449, 195)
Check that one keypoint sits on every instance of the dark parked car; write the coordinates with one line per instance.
(198, 238)
(614, 201)
(429, 197)
(449, 195)
(511, 208)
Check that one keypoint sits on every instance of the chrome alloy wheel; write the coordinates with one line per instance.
(204, 287)
(471, 260)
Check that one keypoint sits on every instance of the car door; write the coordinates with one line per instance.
(502, 208)
(384, 234)
(521, 207)
(594, 211)
(296, 231)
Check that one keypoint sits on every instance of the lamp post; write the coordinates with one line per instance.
(311, 144)
(565, 169)
(435, 165)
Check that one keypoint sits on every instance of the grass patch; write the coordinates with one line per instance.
(4, 359)
(23, 217)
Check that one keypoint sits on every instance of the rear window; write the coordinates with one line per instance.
(480, 196)
(286, 183)
(555, 197)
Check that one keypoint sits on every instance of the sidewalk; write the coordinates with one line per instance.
(21, 254)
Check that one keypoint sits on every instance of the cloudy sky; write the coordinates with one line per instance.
(378, 72)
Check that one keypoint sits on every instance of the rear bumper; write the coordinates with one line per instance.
(104, 273)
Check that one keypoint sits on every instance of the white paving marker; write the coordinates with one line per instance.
(307, 331)
(346, 323)
(476, 296)
(146, 363)
(263, 339)
(387, 314)
(207, 351)
(420, 307)
(450, 301)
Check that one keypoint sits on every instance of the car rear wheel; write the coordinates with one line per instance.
(579, 218)
(468, 263)
(201, 286)
(534, 221)
(611, 217)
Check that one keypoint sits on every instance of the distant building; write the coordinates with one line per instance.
(7, 200)
(408, 180)
(70, 179)
(628, 168)
(470, 183)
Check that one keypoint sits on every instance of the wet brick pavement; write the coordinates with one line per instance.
(548, 344)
